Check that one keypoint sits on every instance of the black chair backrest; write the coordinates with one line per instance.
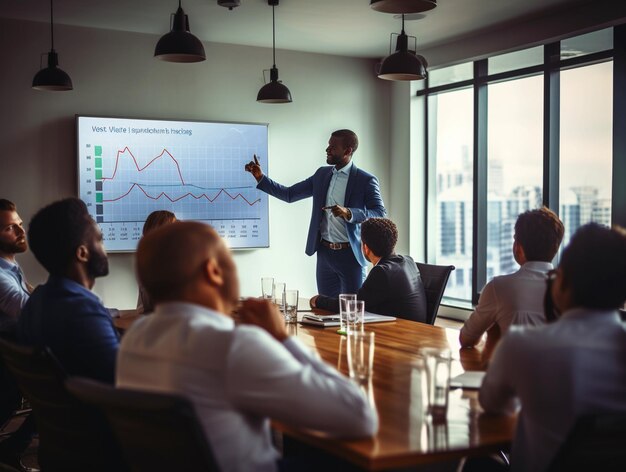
(72, 436)
(434, 278)
(157, 431)
(597, 442)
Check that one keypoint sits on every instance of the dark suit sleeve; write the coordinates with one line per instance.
(374, 206)
(95, 342)
(327, 303)
(375, 290)
(294, 193)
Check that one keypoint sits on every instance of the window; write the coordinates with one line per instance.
(586, 141)
(514, 164)
(530, 150)
(451, 124)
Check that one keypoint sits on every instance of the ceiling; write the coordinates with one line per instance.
(340, 27)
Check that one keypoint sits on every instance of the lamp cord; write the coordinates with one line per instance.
(273, 36)
(403, 24)
(51, 25)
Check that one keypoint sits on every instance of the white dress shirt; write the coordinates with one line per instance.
(510, 299)
(558, 372)
(333, 229)
(238, 377)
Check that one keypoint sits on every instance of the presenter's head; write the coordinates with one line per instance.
(12, 235)
(341, 146)
(68, 242)
(188, 262)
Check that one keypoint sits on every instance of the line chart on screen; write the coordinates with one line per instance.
(129, 168)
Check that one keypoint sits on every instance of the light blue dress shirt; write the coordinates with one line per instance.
(13, 293)
(333, 229)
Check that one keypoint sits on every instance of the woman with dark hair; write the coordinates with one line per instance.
(155, 220)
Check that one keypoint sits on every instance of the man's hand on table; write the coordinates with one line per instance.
(264, 314)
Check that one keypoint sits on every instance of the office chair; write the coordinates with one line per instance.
(595, 443)
(72, 436)
(157, 431)
(434, 278)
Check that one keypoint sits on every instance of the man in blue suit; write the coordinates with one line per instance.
(343, 197)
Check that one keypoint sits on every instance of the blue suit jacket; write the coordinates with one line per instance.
(73, 323)
(362, 198)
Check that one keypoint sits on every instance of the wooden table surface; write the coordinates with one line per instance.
(407, 437)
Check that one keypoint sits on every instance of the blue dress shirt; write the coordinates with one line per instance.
(13, 294)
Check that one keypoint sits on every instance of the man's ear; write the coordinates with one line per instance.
(348, 151)
(82, 253)
(213, 272)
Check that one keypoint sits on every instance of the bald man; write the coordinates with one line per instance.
(237, 376)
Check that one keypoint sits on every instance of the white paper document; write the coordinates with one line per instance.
(333, 320)
(471, 379)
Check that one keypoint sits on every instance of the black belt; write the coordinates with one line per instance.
(335, 246)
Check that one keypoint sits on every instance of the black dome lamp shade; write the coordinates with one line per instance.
(274, 91)
(179, 45)
(52, 78)
(402, 6)
(403, 64)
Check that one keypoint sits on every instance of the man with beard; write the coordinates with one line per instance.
(14, 291)
(237, 376)
(343, 197)
(64, 314)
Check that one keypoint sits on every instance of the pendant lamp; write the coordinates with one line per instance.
(179, 45)
(402, 6)
(52, 78)
(403, 64)
(274, 91)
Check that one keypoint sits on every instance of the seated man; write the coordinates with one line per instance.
(14, 292)
(64, 314)
(393, 286)
(237, 376)
(517, 298)
(572, 367)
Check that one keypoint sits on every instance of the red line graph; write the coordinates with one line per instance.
(203, 195)
(163, 194)
(141, 169)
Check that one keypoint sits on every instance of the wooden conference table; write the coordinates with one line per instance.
(406, 437)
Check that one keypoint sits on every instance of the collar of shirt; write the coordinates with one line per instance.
(538, 266)
(596, 314)
(7, 265)
(345, 169)
(185, 309)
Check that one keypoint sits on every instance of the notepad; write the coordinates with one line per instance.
(334, 320)
(471, 379)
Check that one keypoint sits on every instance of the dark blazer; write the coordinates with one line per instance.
(362, 198)
(393, 287)
(73, 323)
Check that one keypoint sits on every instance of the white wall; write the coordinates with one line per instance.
(114, 73)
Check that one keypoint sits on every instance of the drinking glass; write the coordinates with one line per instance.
(354, 315)
(343, 311)
(290, 309)
(361, 355)
(267, 288)
(437, 364)
(279, 295)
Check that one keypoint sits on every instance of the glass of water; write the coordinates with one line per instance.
(290, 309)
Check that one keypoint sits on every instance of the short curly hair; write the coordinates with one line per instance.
(57, 230)
(380, 235)
(348, 138)
(540, 233)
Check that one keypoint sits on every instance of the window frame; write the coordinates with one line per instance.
(550, 69)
